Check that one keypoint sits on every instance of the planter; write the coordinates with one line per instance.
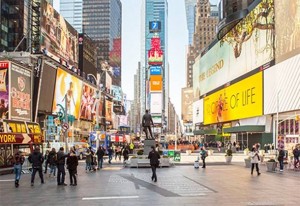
(133, 162)
(247, 163)
(271, 166)
(228, 159)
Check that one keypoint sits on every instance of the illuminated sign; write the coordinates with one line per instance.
(154, 26)
(20, 94)
(245, 48)
(4, 90)
(155, 83)
(156, 103)
(155, 54)
(240, 100)
(155, 70)
(10, 138)
(68, 90)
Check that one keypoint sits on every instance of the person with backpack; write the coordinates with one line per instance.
(203, 155)
(52, 160)
(36, 159)
(18, 161)
(61, 173)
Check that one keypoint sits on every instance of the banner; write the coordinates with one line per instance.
(240, 100)
(67, 88)
(187, 104)
(249, 45)
(108, 110)
(4, 90)
(89, 102)
(156, 83)
(20, 94)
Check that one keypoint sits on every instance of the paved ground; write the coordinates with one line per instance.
(178, 185)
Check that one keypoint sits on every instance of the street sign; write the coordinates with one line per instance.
(65, 126)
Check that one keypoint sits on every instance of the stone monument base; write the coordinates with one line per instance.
(147, 145)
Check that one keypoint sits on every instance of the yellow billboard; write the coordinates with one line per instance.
(243, 99)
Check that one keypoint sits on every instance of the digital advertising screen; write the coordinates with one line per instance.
(68, 89)
(241, 100)
(155, 83)
(187, 104)
(198, 111)
(156, 103)
(20, 94)
(155, 70)
(4, 89)
(248, 46)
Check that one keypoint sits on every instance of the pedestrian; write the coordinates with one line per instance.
(110, 154)
(36, 159)
(154, 162)
(52, 160)
(100, 155)
(125, 154)
(203, 155)
(255, 160)
(296, 153)
(18, 160)
(46, 161)
(88, 160)
(72, 163)
(61, 173)
(146, 123)
(280, 159)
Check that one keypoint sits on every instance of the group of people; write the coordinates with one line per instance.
(54, 159)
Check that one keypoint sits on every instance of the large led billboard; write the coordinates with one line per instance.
(20, 93)
(154, 26)
(155, 54)
(241, 100)
(89, 103)
(281, 86)
(187, 104)
(59, 39)
(198, 111)
(156, 103)
(248, 46)
(287, 21)
(155, 70)
(155, 83)
(67, 92)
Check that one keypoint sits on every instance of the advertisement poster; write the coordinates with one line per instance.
(155, 70)
(116, 91)
(287, 34)
(89, 103)
(156, 83)
(249, 45)
(241, 100)
(187, 104)
(156, 103)
(108, 110)
(4, 90)
(67, 88)
(59, 40)
(198, 111)
(155, 54)
(20, 94)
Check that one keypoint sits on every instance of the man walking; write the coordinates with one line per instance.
(146, 123)
(61, 173)
(154, 162)
(203, 154)
(18, 161)
(100, 155)
(36, 159)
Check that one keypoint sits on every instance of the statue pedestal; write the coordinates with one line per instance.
(147, 145)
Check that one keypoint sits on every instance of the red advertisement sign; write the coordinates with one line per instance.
(155, 54)
(13, 138)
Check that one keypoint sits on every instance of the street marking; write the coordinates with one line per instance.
(112, 168)
(193, 195)
(11, 180)
(109, 198)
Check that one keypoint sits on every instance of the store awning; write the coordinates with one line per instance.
(205, 132)
(245, 128)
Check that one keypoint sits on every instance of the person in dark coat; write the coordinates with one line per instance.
(125, 154)
(100, 154)
(61, 173)
(36, 159)
(154, 162)
(146, 123)
(72, 163)
(110, 154)
(18, 161)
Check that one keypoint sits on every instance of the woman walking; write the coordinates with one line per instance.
(18, 161)
(72, 163)
(88, 160)
(254, 160)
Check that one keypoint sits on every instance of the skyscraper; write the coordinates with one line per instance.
(72, 12)
(157, 11)
(190, 10)
(102, 21)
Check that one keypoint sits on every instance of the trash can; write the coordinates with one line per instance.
(196, 164)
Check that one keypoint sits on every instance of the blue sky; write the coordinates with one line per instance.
(177, 42)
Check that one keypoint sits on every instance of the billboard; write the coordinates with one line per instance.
(4, 89)
(187, 104)
(241, 100)
(198, 111)
(108, 111)
(281, 86)
(156, 83)
(156, 119)
(155, 70)
(287, 34)
(89, 102)
(20, 93)
(67, 88)
(117, 93)
(154, 26)
(249, 45)
(59, 39)
(156, 103)
(155, 54)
